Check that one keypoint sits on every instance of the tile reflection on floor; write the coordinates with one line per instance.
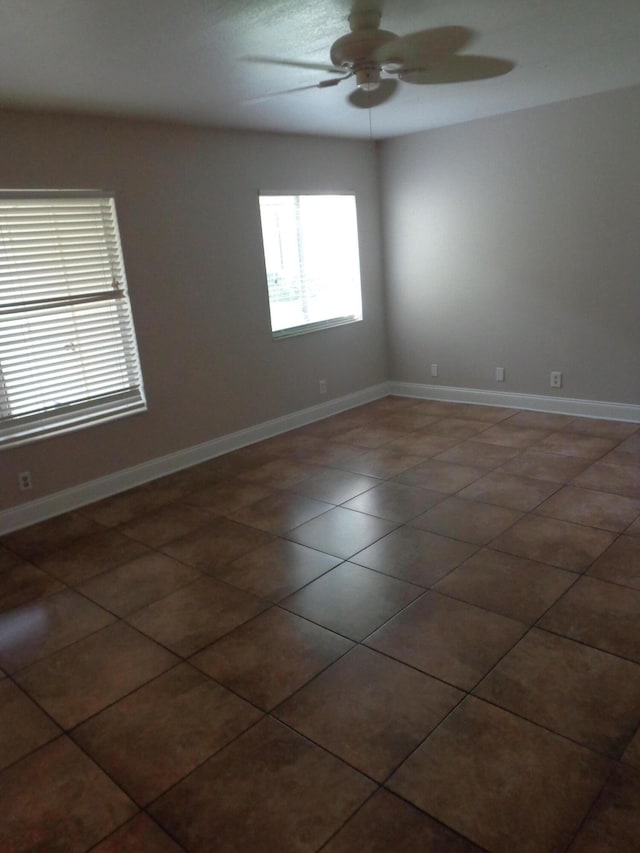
(413, 626)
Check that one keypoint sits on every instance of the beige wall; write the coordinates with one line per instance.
(188, 213)
(514, 242)
(510, 241)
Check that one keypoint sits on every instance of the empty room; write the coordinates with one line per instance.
(320, 426)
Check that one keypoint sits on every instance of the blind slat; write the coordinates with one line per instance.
(68, 353)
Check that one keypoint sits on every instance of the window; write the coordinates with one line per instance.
(312, 261)
(68, 353)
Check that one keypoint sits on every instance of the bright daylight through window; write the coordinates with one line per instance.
(68, 352)
(312, 261)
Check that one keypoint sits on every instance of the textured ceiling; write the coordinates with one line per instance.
(183, 59)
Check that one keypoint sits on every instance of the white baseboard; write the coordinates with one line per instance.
(49, 506)
(531, 402)
(58, 503)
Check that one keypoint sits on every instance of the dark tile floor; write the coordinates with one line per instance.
(414, 626)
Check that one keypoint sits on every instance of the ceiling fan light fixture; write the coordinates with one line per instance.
(368, 78)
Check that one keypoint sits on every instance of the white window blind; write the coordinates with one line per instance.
(312, 261)
(68, 353)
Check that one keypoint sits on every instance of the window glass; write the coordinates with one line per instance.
(312, 261)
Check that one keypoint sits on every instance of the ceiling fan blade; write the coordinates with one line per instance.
(458, 69)
(426, 47)
(364, 100)
(323, 84)
(291, 63)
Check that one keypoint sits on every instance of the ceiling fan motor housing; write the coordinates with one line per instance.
(358, 49)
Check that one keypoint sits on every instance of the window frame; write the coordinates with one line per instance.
(329, 323)
(95, 409)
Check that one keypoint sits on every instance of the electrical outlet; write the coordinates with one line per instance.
(323, 386)
(24, 481)
(499, 374)
(556, 379)
(434, 370)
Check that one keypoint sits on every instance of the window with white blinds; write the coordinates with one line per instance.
(68, 354)
(312, 261)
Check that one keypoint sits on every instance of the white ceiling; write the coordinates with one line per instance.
(183, 59)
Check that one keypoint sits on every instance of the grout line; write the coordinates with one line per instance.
(590, 808)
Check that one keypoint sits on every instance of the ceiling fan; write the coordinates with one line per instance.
(378, 59)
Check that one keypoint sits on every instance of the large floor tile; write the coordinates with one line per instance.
(135, 584)
(509, 490)
(126, 506)
(245, 458)
(276, 570)
(513, 586)
(512, 436)
(8, 559)
(592, 508)
(619, 479)
(341, 532)
(324, 453)
(445, 477)
(139, 835)
(620, 563)
(480, 412)
(369, 436)
(163, 525)
(278, 473)
(369, 710)
(78, 681)
(614, 821)
(394, 501)
(196, 615)
(577, 444)
(280, 512)
(215, 545)
(152, 738)
(587, 695)
(541, 420)
(334, 486)
(415, 555)
(408, 420)
(352, 600)
(36, 630)
(478, 454)
(421, 443)
(295, 798)
(558, 543)
(90, 555)
(386, 823)
(600, 614)
(632, 753)
(22, 583)
(449, 639)
(49, 535)
(23, 726)
(627, 452)
(605, 428)
(469, 521)
(539, 464)
(270, 657)
(503, 782)
(384, 462)
(227, 496)
(57, 800)
(459, 428)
